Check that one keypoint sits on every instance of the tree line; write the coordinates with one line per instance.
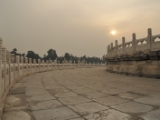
(52, 55)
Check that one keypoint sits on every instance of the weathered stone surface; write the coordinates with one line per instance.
(112, 91)
(67, 94)
(74, 100)
(82, 90)
(17, 115)
(108, 115)
(152, 115)
(36, 92)
(40, 98)
(15, 102)
(61, 113)
(77, 119)
(33, 89)
(88, 108)
(58, 90)
(111, 100)
(151, 100)
(133, 108)
(18, 88)
(45, 105)
(95, 94)
(129, 95)
(79, 94)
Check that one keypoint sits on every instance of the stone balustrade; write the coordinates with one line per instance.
(136, 49)
(13, 68)
(137, 57)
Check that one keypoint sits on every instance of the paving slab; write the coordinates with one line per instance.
(45, 105)
(143, 91)
(112, 91)
(18, 115)
(66, 94)
(83, 90)
(110, 100)
(133, 108)
(109, 115)
(150, 100)
(74, 100)
(36, 92)
(25, 79)
(39, 97)
(81, 94)
(58, 90)
(130, 95)
(152, 115)
(18, 88)
(77, 119)
(34, 89)
(15, 102)
(62, 113)
(88, 108)
(94, 94)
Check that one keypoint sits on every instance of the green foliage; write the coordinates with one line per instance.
(70, 57)
(31, 54)
(52, 55)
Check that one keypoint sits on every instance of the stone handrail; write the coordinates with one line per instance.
(146, 44)
(137, 57)
(11, 71)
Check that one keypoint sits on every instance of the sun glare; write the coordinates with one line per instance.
(113, 32)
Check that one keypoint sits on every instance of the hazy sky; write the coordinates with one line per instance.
(80, 27)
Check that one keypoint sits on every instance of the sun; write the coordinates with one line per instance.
(113, 32)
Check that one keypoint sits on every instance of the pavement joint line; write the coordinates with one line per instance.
(97, 91)
(72, 77)
(64, 104)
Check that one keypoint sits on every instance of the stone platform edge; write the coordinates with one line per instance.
(147, 68)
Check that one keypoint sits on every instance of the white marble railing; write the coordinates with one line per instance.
(150, 43)
(10, 72)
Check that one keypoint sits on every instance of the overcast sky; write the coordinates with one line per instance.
(80, 27)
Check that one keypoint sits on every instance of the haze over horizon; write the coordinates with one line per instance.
(79, 27)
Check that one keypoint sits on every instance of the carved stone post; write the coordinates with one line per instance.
(9, 66)
(22, 65)
(1, 84)
(17, 61)
(149, 39)
(134, 42)
(39, 64)
(43, 65)
(109, 50)
(4, 65)
(12, 58)
(34, 61)
(116, 46)
(47, 64)
(30, 65)
(26, 61)
(123, 44)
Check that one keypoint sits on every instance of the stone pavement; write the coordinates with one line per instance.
(83, 94)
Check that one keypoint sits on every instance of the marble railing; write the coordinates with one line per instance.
(13, 68)
(143, 45)
(137, 57)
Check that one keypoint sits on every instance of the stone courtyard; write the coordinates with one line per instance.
(83, 94)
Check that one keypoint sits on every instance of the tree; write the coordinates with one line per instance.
(52, 55)
(67, 56)
(14, 51)
(31, 54)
